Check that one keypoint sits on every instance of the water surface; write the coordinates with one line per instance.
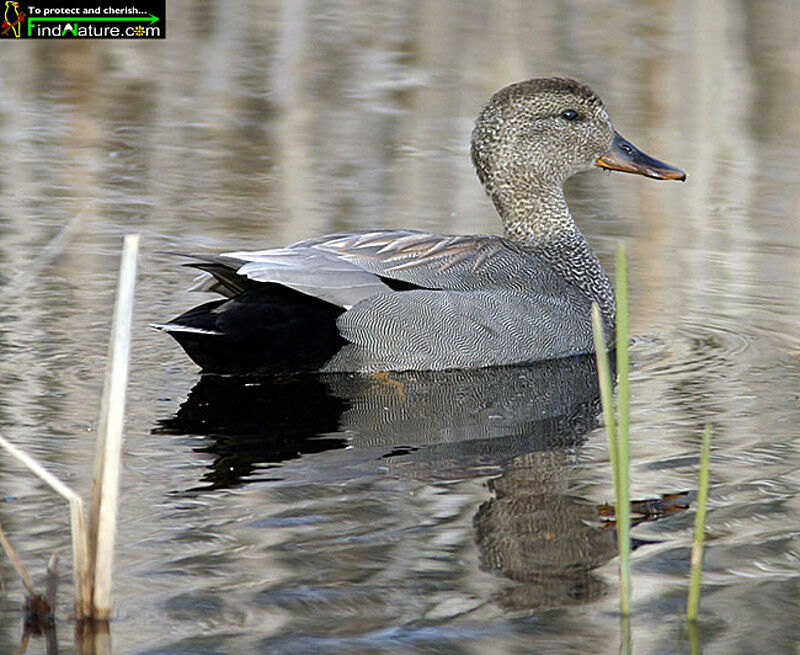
(451, 513)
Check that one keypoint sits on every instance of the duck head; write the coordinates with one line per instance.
(540, 132)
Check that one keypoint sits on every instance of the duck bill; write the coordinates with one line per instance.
(626, 157)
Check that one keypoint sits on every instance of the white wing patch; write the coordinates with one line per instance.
(177, 327)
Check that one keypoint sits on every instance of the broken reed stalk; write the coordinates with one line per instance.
(80, 549)
(693, 603)
(19, 567)
(92, 550)
(617, 430)
(108, 458)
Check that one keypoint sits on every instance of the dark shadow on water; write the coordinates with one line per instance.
(256, 424)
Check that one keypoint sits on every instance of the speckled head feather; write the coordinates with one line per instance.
(555, 85)
(538, 132)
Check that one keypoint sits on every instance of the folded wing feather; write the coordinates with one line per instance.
(346, 269)
(311, 271)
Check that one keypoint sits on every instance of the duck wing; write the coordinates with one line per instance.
(313, 272)
(437, 261)
(346, 268)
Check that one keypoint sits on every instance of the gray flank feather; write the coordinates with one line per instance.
(437, 330)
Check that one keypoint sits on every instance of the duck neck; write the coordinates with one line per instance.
(539, 220)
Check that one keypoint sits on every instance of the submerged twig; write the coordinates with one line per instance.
(39, 609)
(48, 253)
(52, 580)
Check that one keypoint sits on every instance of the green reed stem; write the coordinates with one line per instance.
(617, 429)
(606, 397)
(693, 604)
(625, 642)
(694, 639)
(623, 510)
(606, 390)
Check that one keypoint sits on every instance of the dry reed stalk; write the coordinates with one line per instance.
(80, 549)
(19, 567)
(108, 458)
(92, 550)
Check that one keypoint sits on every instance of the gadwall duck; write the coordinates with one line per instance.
(394, 300)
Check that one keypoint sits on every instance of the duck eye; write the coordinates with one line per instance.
(570, 115)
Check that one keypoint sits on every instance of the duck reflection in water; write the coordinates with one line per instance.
(521, 422)
(425, 424)
(535, 532)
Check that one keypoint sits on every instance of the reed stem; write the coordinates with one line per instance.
(606, 390)
(19, 567)
(92, 549)
(623, 510)
(617, 429)
(108, 459)
(625, 642)
(693, 603)
(80, 546)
